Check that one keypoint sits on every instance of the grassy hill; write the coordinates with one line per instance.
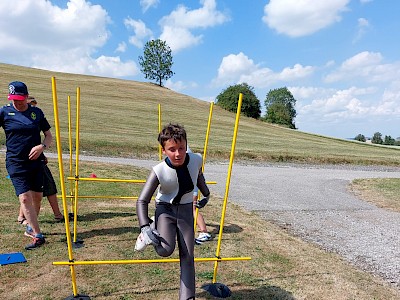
(120, 118)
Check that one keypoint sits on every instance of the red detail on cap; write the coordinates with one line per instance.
(17, 97)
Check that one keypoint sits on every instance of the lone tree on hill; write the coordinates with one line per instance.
(156, 61)
(228, 99)
(279, 105)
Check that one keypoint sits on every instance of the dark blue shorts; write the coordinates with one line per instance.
(28, 181)
(49, 185)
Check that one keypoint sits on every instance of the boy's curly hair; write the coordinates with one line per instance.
(172, 131)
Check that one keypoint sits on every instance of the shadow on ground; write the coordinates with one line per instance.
(261, 293)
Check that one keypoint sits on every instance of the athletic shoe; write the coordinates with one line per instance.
(141, 242)
(203, 237)
(29, 232)
(36, 242)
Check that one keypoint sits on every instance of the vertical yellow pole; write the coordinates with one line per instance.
(78, 101)
(159, 129)
(207, 133)
(64, 199)
(204, 156)
(228, 181)
(71, 184)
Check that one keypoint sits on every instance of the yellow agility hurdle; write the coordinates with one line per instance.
(71, 261)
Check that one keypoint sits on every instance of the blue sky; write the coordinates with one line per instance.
(339, 58)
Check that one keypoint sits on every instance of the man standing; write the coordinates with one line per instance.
(22, 125)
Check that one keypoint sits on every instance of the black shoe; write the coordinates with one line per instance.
(36, 242)
(59, 219)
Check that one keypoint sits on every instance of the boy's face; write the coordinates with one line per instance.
(176, 151)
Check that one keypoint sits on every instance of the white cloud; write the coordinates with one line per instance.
(179, 38)
(233, 67)
(121, 47)
(339, 104)
(299, 18)
(177, 26)
(142, 33)
(112, 67)
(347, 104)
(362, 28)
(60, 39)
(179, 86)
(240, 68)
(146, 4)
(367, 66)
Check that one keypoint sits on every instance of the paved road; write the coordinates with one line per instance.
(314, 203)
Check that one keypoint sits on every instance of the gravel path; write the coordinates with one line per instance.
(313, 202)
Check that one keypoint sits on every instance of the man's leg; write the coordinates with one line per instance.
(29, 210)
(37, 201)
(54, 206)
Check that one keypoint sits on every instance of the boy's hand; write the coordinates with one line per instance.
(201, 203)
(150, 235)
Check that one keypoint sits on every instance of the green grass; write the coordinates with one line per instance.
(120, 118)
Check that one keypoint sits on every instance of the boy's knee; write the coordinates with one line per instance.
(164, 252)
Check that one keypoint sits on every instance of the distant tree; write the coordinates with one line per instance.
(228, 99)
(156, 61)
(280, 107)
(360, 137)
(377, 138)
(388, 140)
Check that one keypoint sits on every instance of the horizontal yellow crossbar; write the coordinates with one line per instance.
(118, 180)
(144, 261)
(104, 197)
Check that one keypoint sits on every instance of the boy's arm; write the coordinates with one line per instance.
(142, 204)
(201, 184)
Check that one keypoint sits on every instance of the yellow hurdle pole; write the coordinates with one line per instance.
(118, 180)
(228, 180)
(108, 180)
(64, 200)
(204, 158)
(144, 261)
(71, 183)
(105, 197)
(159, 130)
(78, 101)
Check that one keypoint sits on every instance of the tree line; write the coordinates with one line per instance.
(377, 139)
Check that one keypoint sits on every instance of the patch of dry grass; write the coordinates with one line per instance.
(282, 266)
(383, 192)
